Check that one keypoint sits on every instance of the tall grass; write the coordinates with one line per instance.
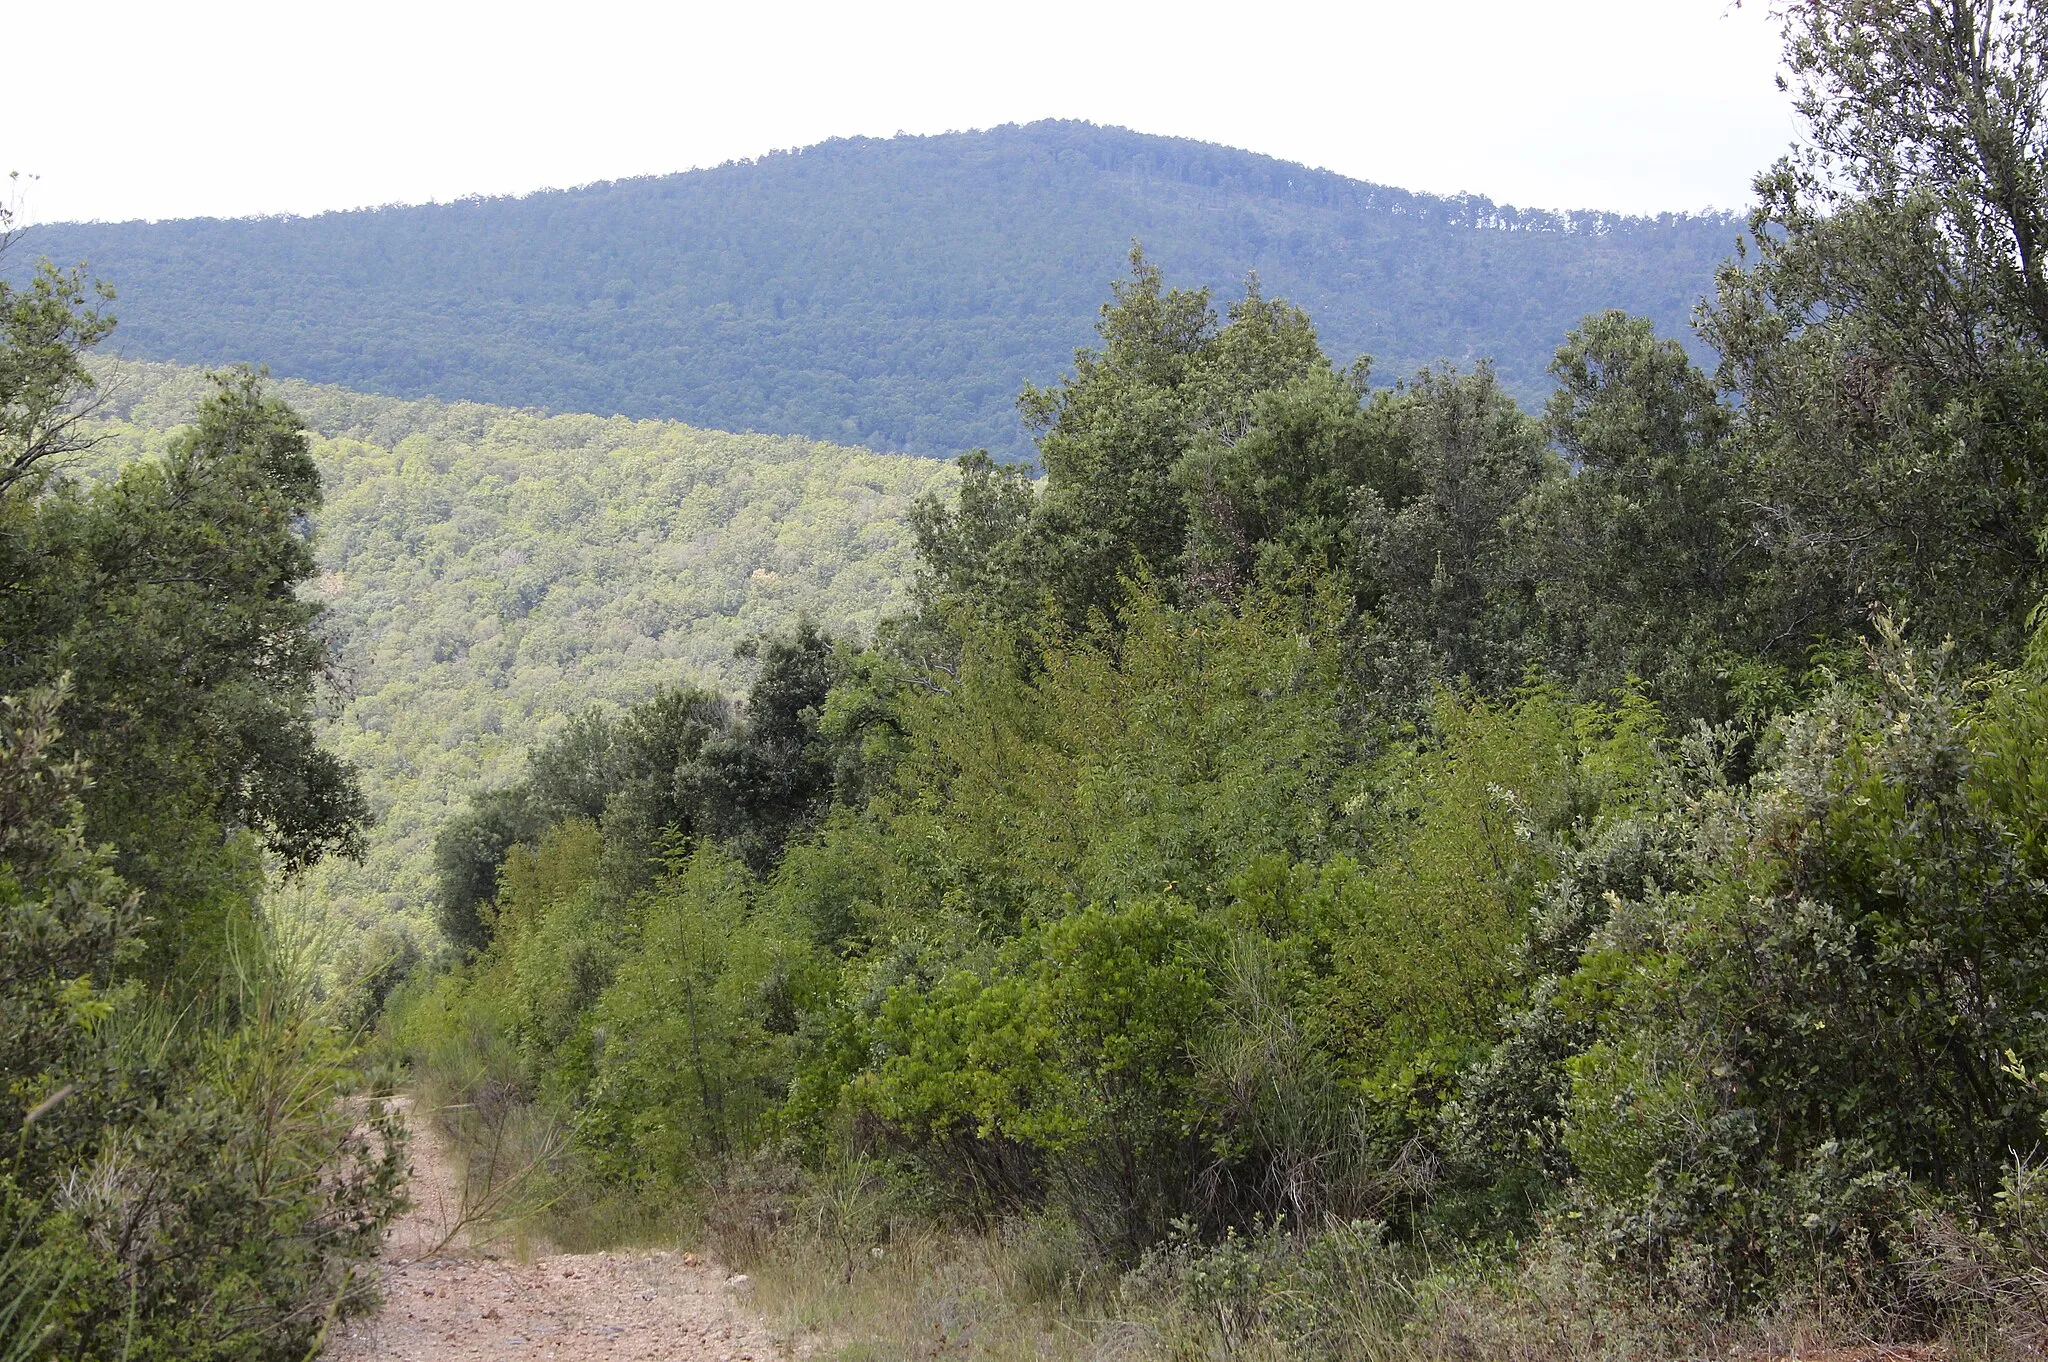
(29, 1290)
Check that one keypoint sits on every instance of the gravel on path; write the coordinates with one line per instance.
(454, 1300)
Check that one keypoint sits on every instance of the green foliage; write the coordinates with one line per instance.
(1166, 380)
(45, 331)
(761, 781)
(1114, 434)
(676, 765)
(1164, 755)
(1639, 565)
(69, 921)
(468, 853)
(168, 596)
(886, 293)
(1440, 555)
(1214, 462)
(559, 949)
(183, 1179)
(1076, 1062)
(1320, 831)
(1889, 328)
(1167, 753)
(1765, 1021)
(1823, 1022)
(662, 1028)
(1279, 503)
(1477, 820)
(974, 551)
(488, 575)
(637, 775)
(698, 1030)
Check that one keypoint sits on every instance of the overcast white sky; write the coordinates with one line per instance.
(169, 108)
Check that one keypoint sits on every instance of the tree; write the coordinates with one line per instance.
(1933, 109)
(1281, 504)
(1832, 1007)
(180, 1164)
(469, 851)
(631, 775)
(170, 596)
(1114, 434)
(45, 392)
(973, 552)
(1439, 559)
(772, 773)
(1112, 437)
(66, 920)
(1886, 331)
(1638, 563)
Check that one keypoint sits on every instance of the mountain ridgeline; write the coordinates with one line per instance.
(890, 293)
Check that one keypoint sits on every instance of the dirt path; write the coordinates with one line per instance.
(460, 1302)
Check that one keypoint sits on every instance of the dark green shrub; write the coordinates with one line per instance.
(1823, 1023)
(1075, 1064)
(189, 1171)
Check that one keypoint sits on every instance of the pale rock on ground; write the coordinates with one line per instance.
(456, 1301)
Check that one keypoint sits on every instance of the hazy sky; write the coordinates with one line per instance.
(167, 108)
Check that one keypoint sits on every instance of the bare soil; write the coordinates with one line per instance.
(447, 1298)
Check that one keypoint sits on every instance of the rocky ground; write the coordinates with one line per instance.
(445, 1298)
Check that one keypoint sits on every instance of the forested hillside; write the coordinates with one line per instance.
(887, 293)
(486, 574)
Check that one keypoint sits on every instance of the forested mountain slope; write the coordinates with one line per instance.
(890, 293)
(488, 573)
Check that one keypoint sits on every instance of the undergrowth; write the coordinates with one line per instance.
(853, 1261)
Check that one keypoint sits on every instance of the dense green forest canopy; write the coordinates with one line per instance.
(887, 293)
(486, 574)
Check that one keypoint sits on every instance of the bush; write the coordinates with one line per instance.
(695, 1039)
(1077, 1062)
(1478, 816)
(1785, 1052)
(1989, 1270)
(188, 1170)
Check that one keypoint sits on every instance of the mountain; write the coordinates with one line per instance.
(489, 573)
(890, 293)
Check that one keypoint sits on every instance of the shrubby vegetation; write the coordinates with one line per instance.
(183, 1174)
(486, 574)
(1334, 870)
(887, 293)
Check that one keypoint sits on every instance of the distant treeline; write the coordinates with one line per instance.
(891, 293)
